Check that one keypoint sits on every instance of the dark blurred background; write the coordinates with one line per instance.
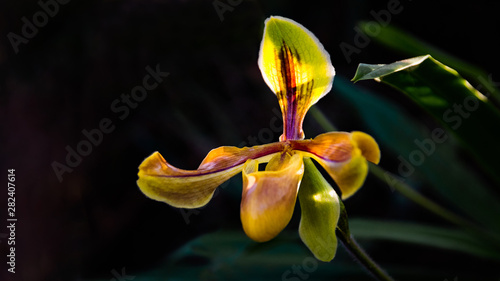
(92, 221)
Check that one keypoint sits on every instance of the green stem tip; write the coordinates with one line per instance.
(355, 250)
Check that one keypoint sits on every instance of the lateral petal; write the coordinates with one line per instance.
(269, 196)
(343, 155)
(368, 146)
(180, 188)
(297, 68)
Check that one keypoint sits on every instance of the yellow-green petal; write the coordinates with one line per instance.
(297, 68)
(320, 211)
(180, 188)
(343, 155)
(269, 196)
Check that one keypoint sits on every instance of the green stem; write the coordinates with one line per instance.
(410, 193)
(354, 249)
(314, 184)
(322, 120)
(396, 183)
(362, 257)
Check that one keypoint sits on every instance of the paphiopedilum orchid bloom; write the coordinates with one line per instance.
(298, 70)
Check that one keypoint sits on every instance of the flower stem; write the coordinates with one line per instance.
(362, 257)
(426, 203)
(410, 193)
(404, 189)
(322, 120)
(354, 249)
(396, 184)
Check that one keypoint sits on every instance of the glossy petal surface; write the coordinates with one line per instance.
(297, 68)
(320, 211)
(368, 146)
(180, 188)
(269, 196)
(343, 155)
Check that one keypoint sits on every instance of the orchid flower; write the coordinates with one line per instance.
(297, 68)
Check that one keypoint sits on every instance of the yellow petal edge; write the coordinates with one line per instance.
(269, 196)
(297, 68)
(312, 58)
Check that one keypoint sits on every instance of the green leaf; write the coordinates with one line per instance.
(450, 99)
(439, 237)
(412, 46)
(319, 205)
(231, 255)
(397, 134)
(376, 71)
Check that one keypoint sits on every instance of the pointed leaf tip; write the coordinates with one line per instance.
(377, 71)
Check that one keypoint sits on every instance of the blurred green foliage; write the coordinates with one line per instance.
(96, 220)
